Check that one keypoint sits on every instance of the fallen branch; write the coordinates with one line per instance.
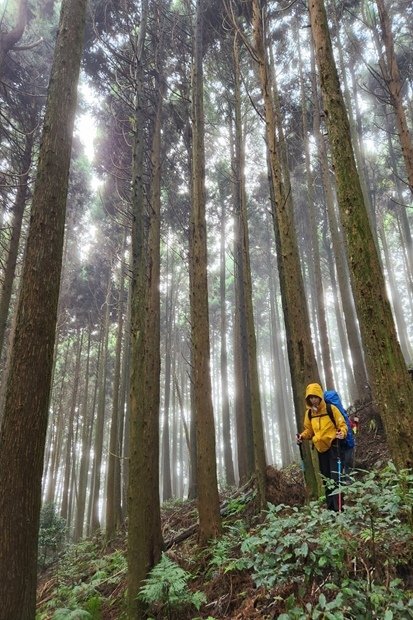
(223, 511)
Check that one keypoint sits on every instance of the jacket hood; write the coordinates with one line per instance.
(314, 389)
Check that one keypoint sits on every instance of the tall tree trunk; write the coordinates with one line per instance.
(355, 128)
(401, 208)
(144, 530)
(208, 500)
(24, 424)
(284, 439)
(50, 491)
(85, 452)
(391, 74)
(90, 504)
(242, 397)
(246, 284)
(64, 509)
(303, 364)
(391, 384)
(125, 417)
(169, 326)
(339, 251)
(112, 493)
(395, 300)
(100, 415)
(226, 415)
(11, 260)
(318, 291)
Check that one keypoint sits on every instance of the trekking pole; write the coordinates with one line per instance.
(339, 480)
(300, 446)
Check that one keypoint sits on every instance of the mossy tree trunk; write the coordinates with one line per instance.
(361, 382)
(391, 385)
(301, 356)
(313, 234)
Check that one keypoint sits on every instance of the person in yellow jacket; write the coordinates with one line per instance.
(319, 427)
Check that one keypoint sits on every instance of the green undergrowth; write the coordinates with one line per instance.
(84, 583)
(301, 563)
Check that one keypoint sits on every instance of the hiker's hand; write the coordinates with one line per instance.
(340, 435)
(299, 439)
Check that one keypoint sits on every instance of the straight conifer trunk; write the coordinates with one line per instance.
(18, 212)
(112, 492)
(255, 434)
(226, 415)
(391, 385)
(64, 509)
(144, 529)
(85, 452)
(100, 415)
(169, 327)
(391, 73)
(24, 425)
(301, 356)
(208, 500)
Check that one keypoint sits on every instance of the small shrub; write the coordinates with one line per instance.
(167, 586)
(52, 535)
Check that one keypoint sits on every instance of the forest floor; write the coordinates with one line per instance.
(98, 568)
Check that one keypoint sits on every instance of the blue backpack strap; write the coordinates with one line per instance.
(349, 440)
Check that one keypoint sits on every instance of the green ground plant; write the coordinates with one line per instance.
(82, 578)
(166, 589)
(309, 563)
(347, 564)
(52, 535)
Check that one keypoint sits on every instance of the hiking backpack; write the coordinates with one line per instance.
(331, 397)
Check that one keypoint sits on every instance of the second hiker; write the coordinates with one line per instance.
(319, 427)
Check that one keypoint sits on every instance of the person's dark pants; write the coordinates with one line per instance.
(329, 469)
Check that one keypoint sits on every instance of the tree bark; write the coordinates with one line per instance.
(169, 326)
(301, 356)
(11, 261)
(144, 529)
(208, 500)
(392, 387)
(318, 291)
(391, 74)
(242, 399)
(64, 509)
(226, 414)
(340, 254)
(85, 452)
(27, 394)
(256, 433)
(113, 508)
(95, 523)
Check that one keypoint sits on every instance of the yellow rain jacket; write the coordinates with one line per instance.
(320, 428)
